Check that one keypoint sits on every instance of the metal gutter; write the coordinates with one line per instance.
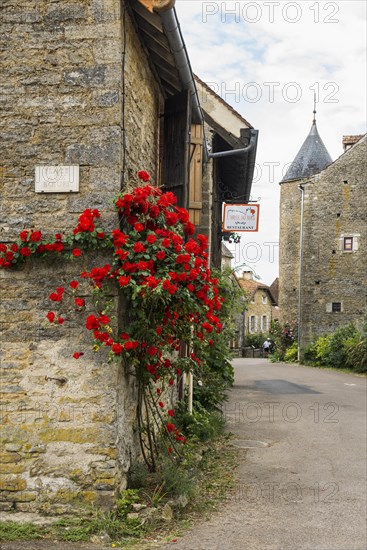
(172, 30)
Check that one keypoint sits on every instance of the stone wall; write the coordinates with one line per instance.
(66, 426)
(290, 224)
(335, 206)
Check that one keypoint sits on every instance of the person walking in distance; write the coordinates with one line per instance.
(266, 347)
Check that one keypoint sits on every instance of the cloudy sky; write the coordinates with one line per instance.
(266, 59)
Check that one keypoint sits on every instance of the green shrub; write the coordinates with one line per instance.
(275, 357)
(335, 354)
(202, 424)
(291, 354)
(283, 337)
(355, 349)
(322, 350)
(344, 348)
(255, 340)
(215, 375)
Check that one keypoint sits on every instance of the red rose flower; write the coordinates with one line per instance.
(50, 316)
(58, 247)
(36, 236)
(101, 235)
(131, 345)
(154, 211)
(9, 255)
(74, 284)
(161, 255)
(171, 413)
(124, 281)
(183, 214)
(77, 355)
(189, 228)
(25, 251)
(171, 218)
(76, 252)
(117, 349)
(23, 235)
(119, 238)
(167, 199)
(104, 319)
(151, 239)
(144, 176)
(79, 302)
(61, 320)
(139, 227)
(142, 266)
(3, 247)
(138, 247)
(170, 427)
(14, 247)
(92, 322)
(152, 350)
(161, 404)
(122, 254)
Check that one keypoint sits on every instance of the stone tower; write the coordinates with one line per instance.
(311, 159)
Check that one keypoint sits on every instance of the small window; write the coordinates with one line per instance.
(336, 307)
(264, 323)
(252, 323)
(348, 244)
(264, 299)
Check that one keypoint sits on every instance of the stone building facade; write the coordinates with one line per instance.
(261, 306)
(81, 87)
(325, 286)
(104, 85)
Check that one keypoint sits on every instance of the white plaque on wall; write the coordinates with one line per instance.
(57, 179)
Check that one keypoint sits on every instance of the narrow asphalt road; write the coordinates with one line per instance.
(302, 482)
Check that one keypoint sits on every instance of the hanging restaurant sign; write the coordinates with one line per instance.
(241, 217)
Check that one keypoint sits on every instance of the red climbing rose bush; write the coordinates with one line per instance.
(171, 300)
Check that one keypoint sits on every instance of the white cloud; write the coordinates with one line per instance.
(328, 56)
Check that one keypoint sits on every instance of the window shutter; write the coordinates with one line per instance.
(176, 151)
(196, 152)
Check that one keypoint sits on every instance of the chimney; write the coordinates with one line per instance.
(248, 275)
(349, 141)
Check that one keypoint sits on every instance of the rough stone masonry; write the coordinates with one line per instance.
(67, 427)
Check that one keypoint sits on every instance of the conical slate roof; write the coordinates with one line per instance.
(311, 158)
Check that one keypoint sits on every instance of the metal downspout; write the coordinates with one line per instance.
(302, 189)
(237, 151)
